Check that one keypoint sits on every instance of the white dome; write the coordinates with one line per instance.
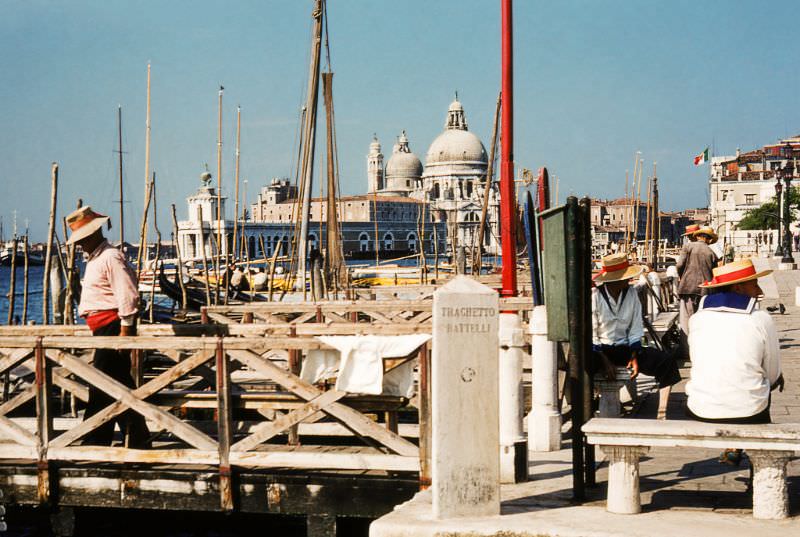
(403, 163)
(455, 145)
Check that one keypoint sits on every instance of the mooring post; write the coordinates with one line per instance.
(465, 406)
(513, 447)
(424, 417)
(224, 431)
(44, 422)
(544, 421)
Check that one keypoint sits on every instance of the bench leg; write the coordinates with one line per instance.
(770, 493)
(623, 479)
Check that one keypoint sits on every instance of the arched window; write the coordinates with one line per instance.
(411, 239)
(469, 189)
(363, 242)
(388, 241)
(435, 193)
(285, 247)
(312, 241)
(268, 245)
(251, 247)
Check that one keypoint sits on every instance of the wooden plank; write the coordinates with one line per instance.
(18, 400)
(14, 432)
(220, 318)
(267, 430)
(305, 317)
(13, 358)
(61, 380)
(148, 389)
(125, 396)
(352, 419)
(300, 460)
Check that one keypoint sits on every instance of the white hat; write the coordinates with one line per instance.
(83, 222)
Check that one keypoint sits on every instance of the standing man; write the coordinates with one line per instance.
(109, 303)
(695, 264)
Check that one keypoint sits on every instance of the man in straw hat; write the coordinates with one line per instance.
(109, 304)
(617, 329)
(734, 349)
(695, 264)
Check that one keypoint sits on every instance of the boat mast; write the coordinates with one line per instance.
(236, 179)
(308, 153)
(121, 194)
(143, 245)
(333, 255)
(219, 192)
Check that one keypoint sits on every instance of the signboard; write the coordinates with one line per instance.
(554, 265)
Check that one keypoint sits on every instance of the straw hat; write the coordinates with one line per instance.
(709, 232)
(734, 272)
(616, 267)
(690, 229)
(83, 222)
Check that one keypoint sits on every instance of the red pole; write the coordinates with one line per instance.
(508, 204)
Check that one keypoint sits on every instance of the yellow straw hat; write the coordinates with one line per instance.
(734, 272)
(690, 229)
(83, 222)
(616, 267)
(709, 232)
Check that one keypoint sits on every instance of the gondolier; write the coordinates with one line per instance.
(695, 264)
(109, 304)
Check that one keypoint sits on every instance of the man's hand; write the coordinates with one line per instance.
(633, 365)
(127, 330)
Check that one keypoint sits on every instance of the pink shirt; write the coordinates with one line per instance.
(109, 283)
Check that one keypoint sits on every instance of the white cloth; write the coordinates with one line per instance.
(320, 364)
(360, 369)
(735, 359)
(617, 324)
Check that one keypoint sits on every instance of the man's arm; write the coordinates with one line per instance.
(123, 284)
(681, 264)
(772, 359)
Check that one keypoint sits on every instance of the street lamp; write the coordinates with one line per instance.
(778, 190)
(787, 172)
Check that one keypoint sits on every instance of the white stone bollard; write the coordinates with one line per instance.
(623, 479)
(770, 493)
(797, 296)
(513, 454)
(465, 442)
(544, 421)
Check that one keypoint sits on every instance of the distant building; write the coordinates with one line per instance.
(744, 181)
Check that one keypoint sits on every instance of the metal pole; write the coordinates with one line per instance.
(584, 249)
(575, 359)
(508, 218)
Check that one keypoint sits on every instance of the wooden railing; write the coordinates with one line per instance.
(232, 423)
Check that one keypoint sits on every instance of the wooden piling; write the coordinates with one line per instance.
(25, 281)
(12, 284)
(51, 229)
(143, 231)
(180, 259)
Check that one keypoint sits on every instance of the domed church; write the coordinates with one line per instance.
(452, 181)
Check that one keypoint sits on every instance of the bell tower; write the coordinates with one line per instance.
(374, 166)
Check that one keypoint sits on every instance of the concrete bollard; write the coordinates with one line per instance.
(465, 442)
(797, 296)
(544, 421)
(513, 452)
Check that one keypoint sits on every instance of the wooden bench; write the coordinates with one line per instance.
(624, 440)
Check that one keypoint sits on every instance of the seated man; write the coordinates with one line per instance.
(734, 350)
(617, 329)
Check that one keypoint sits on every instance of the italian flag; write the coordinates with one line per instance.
(702, 158)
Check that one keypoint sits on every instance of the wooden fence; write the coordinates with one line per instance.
(201, 411)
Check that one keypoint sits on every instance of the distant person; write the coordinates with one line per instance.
(735, 352)
(260, 280)
(695, 266)
(796, 240)
(617, 329)
(109, 303)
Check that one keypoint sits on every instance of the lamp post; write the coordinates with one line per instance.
(778, 190)
(787, 172)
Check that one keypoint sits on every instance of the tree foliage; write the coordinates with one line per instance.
(765, 216)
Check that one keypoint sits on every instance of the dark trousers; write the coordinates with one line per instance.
(653, 362)
(761, 417)
(117, 365)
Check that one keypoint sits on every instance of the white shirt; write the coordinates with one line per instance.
(735, 357)
(616, 323)
(109, 283)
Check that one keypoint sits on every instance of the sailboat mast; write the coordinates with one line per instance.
(143, 245)
(236, 178)
(219, 186)
(333, 255)
(310, 130)
(121, 193)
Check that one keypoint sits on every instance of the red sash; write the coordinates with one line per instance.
(100, 319)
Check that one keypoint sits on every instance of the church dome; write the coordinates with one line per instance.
(456, 143)
(403, 163)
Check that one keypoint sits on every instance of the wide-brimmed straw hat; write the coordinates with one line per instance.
(616, 267)
(690, 229)
(734, 272)
(83, 222)
(709, 232)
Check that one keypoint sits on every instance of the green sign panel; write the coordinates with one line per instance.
(554, 261)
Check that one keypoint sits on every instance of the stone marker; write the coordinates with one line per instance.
(465, 409)
(544, 421)
(797, 296)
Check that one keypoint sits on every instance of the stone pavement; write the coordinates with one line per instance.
(684, 491)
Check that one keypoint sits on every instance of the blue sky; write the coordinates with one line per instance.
(595, 81)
